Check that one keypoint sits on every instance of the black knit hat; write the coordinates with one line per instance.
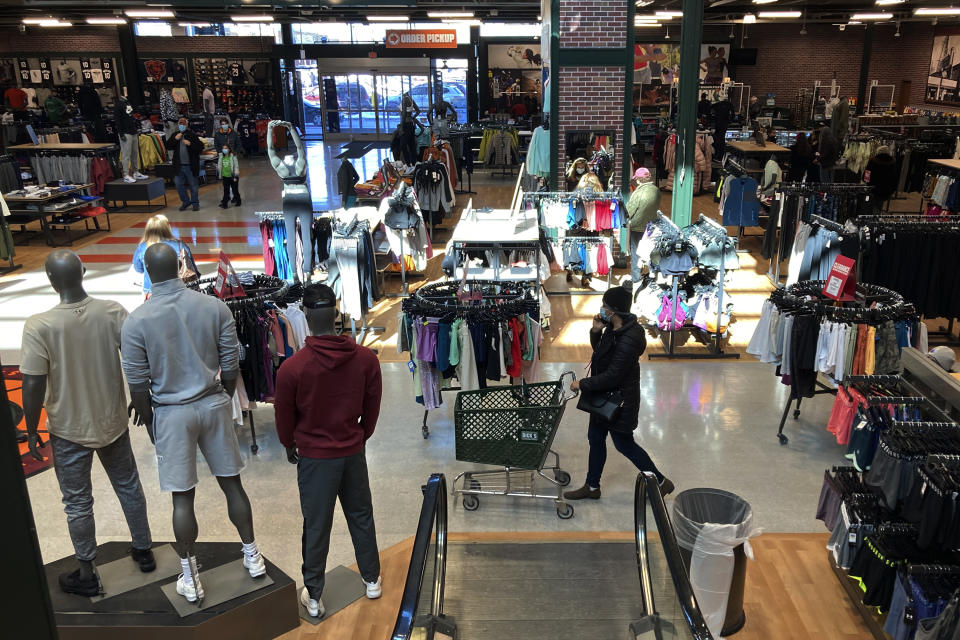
(618, 299)
(319, 296)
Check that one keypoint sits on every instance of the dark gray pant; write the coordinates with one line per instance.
(72, 463)
(321, 483)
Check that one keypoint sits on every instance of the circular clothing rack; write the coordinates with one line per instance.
(264, 288)
(453, 297)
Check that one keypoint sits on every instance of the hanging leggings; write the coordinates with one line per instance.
(297, 204)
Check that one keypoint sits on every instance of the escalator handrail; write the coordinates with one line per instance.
(648, 491)
(433, 513)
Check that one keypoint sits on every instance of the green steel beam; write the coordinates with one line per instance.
(554, 92)
(681, 211)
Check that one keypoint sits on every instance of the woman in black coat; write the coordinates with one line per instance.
(618, 341)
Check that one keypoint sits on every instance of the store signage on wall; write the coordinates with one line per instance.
(842, 281)
(421, 39)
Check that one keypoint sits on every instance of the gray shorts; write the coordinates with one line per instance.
(179, 429)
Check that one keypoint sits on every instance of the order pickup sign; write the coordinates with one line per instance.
(841, 284)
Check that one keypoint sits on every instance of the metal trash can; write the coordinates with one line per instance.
(713, 529)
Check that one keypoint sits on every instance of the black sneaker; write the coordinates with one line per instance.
(236, 202)
(196, 207)
(72, 583)
(143, 558)
(223, 205)
(184, 207)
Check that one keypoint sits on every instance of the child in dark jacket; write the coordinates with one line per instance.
(228, 170)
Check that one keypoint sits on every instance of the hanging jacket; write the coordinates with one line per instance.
(168, 108)
(347, 178)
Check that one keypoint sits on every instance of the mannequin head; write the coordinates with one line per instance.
(162, 262)
(320, 308)
(65, 272)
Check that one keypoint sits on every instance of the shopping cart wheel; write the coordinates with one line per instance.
(471, 503)
(562, 477)
(565, 512)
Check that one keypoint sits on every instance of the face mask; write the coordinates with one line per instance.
(226, 151)
(224, 127)
(581, 170)
(603, 314)
(182, 127)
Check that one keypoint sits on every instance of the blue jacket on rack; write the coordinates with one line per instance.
(741, 207)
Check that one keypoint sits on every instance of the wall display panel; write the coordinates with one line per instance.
(514, 56)
(943, 80)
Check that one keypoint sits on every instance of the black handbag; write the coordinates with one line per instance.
(605, 404)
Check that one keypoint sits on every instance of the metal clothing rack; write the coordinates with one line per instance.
(714, 348)
(586, 196)
(441, 299)
(808, 295)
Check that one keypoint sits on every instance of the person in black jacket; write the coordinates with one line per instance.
(618, 342)
(882, 174)
(347, 178)
(186, 147)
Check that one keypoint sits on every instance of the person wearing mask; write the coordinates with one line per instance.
(226, 136)
(827, 154)
(642, 209)
(228, 170)
(327, 404)
(618, 341)
(158, 230)
(801, 157)
(704, 107)
(186, 147)
(577, 170)
(881, 174)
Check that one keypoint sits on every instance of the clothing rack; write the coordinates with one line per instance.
(714, 348)
(489, 300)
(277, 291)
(808, 295)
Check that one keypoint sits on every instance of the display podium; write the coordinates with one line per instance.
(142, 605)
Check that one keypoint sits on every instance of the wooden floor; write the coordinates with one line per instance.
(791, 594)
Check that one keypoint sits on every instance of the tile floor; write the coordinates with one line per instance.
(705, 423)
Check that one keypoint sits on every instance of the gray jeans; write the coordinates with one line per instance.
(72, 463)
(129, 153)
(321, 483)
(636, 267)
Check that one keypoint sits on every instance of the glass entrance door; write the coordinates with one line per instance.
(390, 97)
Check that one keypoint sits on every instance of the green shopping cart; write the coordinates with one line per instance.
(512, 427)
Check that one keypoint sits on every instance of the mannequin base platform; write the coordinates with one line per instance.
(265, 609)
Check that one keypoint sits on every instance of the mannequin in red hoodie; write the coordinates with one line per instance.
(326, 406)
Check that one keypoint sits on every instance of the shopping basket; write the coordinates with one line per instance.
(512, 427)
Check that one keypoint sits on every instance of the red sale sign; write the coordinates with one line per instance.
(841, 284)
(227, 284)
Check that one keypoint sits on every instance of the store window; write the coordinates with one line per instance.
(359, 33)
(271, 30)
(322, 33)
(453, 73)
(509, 30)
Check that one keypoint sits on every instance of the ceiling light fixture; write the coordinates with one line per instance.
(252, 18)
(644, 3)
(57, 23)
(647, 25)
(450, 14)
(149, 13)
(648, 18)
(471, 23)
(854, 22)
(388, 18)
(764, 1)
(668, 33)
(749, 18)
(732, 34)
(195, 25)
(897, 34)
(669, 14)
(40, 20)
(106, 21)
(872, 16)
(941, 11)
(884, 3)
(779, 14)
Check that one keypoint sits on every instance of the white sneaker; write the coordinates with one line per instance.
(139, 176)
(314, 607)
(186, 588)
(129, 179)
(255, 565)
(374, 590)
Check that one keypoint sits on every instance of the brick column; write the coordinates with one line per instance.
(591, 73)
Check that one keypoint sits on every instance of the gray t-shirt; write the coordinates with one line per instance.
(184, 152)
(77, 346)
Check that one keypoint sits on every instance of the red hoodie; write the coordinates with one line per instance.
(328, 397)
